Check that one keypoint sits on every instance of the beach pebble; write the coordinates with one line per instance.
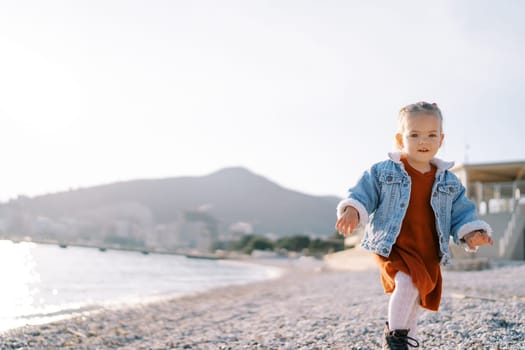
(302, 310)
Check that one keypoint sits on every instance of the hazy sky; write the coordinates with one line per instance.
(305, 93)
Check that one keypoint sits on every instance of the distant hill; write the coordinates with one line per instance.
(229, 195)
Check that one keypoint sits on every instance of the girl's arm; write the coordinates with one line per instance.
(467, 229)
(363, 198)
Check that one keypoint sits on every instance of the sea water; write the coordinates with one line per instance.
(43, 283)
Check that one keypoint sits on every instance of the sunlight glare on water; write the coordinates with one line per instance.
(20, 281)
(44, 283)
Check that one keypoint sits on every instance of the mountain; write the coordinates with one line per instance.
(228, 196)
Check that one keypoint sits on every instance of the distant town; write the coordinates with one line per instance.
(209, 214)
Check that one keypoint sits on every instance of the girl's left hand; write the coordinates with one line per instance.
(477, 238)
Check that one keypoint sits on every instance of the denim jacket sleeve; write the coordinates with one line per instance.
(464, 218)
(364, 196)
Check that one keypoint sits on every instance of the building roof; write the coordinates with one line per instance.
(493, 172)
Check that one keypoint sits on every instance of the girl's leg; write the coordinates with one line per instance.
(412, 320)
(402, 302)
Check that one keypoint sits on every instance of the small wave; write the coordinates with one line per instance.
(61, 312)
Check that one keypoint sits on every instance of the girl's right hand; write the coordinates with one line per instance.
(348, 221)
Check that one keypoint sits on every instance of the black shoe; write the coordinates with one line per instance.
(398, 339)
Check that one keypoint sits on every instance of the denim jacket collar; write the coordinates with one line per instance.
(440, 164)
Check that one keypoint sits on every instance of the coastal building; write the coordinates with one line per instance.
(498, 189)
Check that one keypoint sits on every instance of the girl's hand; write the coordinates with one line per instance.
(348, 221)
(477, 238)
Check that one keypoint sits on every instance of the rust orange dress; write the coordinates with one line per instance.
(416, 250)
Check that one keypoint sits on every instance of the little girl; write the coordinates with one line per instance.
(412, 204)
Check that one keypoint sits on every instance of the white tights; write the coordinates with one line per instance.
(404, 304)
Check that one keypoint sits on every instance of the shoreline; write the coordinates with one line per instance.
(302, 309)
(272, 271)
(229, 273)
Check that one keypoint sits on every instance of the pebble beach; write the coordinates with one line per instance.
(305, 308)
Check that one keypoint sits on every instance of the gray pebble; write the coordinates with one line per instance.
(302, 310)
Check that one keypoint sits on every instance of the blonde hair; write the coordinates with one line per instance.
(418, 108)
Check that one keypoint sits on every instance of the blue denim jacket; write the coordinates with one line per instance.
(381, 197)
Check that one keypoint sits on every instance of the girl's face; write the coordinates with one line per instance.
(421, 138)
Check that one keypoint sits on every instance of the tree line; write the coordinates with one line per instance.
(297, 243)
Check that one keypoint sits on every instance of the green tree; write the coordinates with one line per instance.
(325, 246)
(294, 243)
(259, 243)
(243, 242)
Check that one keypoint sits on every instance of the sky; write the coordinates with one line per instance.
(305, 93)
